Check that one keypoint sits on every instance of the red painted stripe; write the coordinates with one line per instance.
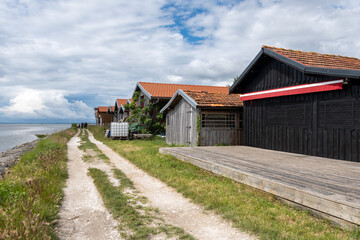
(294, 90)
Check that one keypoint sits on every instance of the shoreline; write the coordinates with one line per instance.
(10, 157)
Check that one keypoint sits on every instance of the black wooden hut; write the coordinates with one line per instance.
(302, 102)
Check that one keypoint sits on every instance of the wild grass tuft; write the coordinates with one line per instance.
(133, 223)
(86, 144)
(31, 194)
(249, 209)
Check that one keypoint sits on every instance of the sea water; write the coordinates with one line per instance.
(12, 135)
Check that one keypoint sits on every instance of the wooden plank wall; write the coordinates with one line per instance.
(332, 136)
(181, 124)
(219, 136)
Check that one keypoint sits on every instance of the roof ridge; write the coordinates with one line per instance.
(315, 53)
(185, 84)
(185, 90)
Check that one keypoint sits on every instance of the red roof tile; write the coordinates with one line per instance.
(112, 108)
(121, 101)
(313, 59)
(103, 109)
(208, 99)
(168, 90)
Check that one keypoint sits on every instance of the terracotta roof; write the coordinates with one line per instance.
(112, 108)
(121, 101)
(167, 90)
(103, 109)
(207, 99)
(313, 59)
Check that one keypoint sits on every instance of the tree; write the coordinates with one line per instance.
(148, 118)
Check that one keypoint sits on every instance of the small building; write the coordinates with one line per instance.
(199, 118)
(120, 113)
(103, 117)
(302, 102)
(161, 93)
(97, 116)
(111, 110)
(119, 109)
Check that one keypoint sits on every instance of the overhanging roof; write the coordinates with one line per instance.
(295, 64)
(175, 98)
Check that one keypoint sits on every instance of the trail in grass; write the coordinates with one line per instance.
(174, 208)
(82, 214)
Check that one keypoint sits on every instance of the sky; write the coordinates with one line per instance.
(61, 58)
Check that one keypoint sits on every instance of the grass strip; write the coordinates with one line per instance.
(86, 144)
(31, 194)
(249, 209)
(41, 135)
(133, 224)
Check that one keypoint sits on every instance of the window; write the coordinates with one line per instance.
(167, 120)
(218, 120)
(142, 101)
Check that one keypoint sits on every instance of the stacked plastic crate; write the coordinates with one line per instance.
(119, 130)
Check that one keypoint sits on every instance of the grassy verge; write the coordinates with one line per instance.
(85, 145)
(249, 209)
(31, 194)
(137, 221)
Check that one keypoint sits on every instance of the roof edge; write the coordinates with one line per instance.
(138, 85)
(122, 107)
(181, 93)
(245, 72)
(299, 66)
(334, 72)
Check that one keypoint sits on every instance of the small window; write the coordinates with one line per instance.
(218, 120)
(142, 101)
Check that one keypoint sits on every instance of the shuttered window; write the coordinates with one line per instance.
(218, 120)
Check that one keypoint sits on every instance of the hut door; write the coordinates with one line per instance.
(188, 115)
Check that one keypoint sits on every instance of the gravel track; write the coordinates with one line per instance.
(174, 208)
(82, 214)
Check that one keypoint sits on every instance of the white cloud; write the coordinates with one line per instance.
(45, 104)
(174, 78)
(102, 48)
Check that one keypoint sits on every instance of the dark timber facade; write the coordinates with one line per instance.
(325, 124)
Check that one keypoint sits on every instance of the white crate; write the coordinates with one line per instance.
(119, 129)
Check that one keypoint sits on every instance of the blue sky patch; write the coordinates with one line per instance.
(180, 15)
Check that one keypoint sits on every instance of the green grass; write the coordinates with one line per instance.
(85, 144)
(40, 135)
(250, 210)
(133, 225)
(31, 194)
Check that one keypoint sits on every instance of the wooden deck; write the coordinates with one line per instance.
(329, 187)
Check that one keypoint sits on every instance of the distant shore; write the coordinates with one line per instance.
(10, 157)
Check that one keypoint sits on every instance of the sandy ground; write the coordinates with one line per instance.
(82, 214)
(174, 208)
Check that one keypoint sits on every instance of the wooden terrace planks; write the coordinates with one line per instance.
(326, 185)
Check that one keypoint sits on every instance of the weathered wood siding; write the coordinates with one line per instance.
(106, 118)
(325, 124)
(143, 96)
(115, 117)
(220, 136)
(181, 124)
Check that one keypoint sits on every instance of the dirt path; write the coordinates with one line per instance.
(83, 215)
(174, 208)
